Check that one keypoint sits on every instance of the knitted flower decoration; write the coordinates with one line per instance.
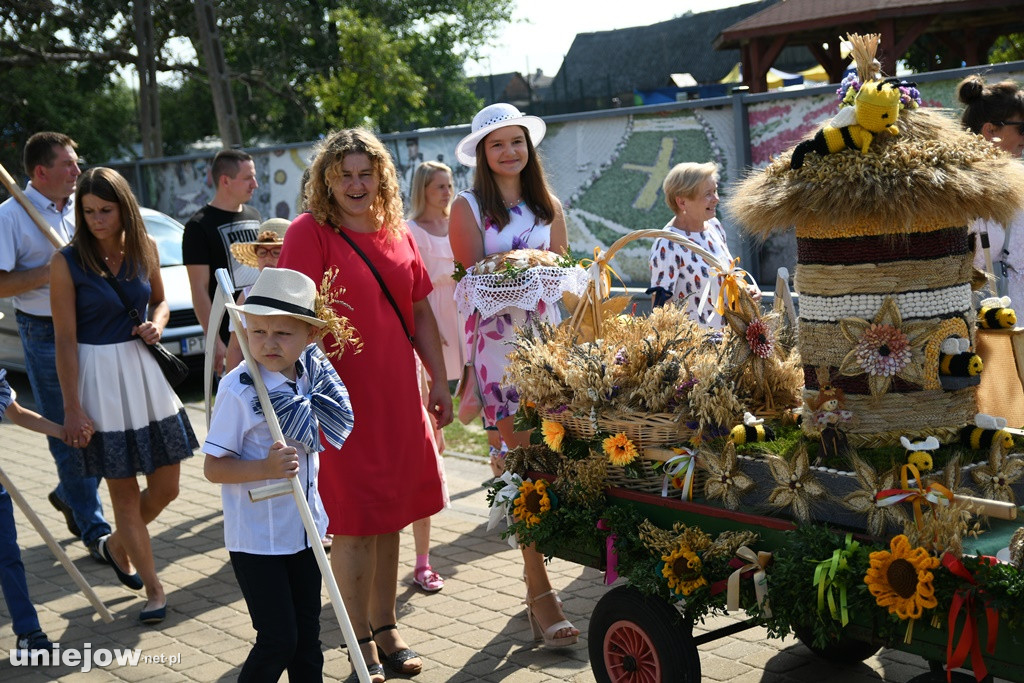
(884, 348)
(725, 481)
(755, 335)
(901, 579)
(532, 502)
(682, 567)
(795, 485)
(553, 433)
(619, 449)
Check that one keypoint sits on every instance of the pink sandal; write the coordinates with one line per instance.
(427, 579)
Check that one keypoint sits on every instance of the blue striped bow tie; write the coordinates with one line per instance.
(326, 405)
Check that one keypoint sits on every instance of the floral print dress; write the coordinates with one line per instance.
(680, 275)
(495, 334)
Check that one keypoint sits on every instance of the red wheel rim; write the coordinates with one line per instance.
(629, 654)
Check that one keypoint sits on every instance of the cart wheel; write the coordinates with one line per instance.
(635, 638)
(844, 651)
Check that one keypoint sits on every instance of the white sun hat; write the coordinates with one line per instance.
(490, 119)
(280, 291)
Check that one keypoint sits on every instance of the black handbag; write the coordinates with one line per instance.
(174, 369)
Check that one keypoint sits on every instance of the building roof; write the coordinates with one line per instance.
(644, 57)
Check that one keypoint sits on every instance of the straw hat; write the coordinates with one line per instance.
(490, 119)
(271, 235)
(280, 291)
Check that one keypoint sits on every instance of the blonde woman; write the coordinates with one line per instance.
(386, 475)
(431, 198)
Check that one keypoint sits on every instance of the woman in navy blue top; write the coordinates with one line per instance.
(118, 408)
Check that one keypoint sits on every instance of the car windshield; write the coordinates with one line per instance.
(167, 232)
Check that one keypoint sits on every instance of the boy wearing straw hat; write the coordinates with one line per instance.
(270, 553)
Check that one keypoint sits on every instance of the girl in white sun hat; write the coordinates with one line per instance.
(510, 207)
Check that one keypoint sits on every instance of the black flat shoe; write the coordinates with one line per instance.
(153, 616)
(133, 581)
(398, 658)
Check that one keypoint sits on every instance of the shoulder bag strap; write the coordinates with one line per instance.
(377, 277)
(133, 312)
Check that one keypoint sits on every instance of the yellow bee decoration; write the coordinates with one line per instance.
(956, 361)
(753, 430)
(996, 314)
(919, 453)
(875, 108)
(986, 431)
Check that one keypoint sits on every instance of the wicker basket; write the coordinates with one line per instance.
(650, 480)
(645, 430)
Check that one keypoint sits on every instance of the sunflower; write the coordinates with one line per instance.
(619, 449)
(901, 580)
(682, 567)
(532, 502)
(884, 347)
(553, 435)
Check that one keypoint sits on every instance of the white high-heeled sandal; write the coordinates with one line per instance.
(548, 635)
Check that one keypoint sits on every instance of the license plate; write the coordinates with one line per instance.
(193, 346)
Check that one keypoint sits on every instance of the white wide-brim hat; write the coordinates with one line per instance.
(281, 291)
(271, 234)
(490, 119)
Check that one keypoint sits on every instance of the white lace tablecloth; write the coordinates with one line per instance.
(493, 292)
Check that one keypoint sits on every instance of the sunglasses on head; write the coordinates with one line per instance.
(1019, 124)
(268, 251)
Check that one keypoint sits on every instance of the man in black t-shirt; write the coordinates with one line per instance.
(209, 234)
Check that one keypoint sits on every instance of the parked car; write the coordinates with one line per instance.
(183, 335)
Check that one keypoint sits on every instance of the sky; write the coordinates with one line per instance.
(541, 31)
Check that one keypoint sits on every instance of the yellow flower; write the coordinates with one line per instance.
(682, 568)
(901, 580)
(532, 502)
(553, 435)
(619, 449)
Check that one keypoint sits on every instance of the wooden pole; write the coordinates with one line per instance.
(298, 493)
(55, 548)
(30, 209)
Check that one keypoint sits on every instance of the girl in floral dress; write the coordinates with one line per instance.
(509, 207)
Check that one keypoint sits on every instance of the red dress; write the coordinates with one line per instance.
(386, 474)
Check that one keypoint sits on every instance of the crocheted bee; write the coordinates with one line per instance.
(986, 431)
(956, 361)
(919, 453)
(874, 109)
(996, 314)
(753, 430)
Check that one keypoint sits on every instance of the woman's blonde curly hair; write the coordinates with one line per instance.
(326, 168)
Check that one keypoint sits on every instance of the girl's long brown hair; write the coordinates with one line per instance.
(326, 167)
(536, 192)
(140, 256)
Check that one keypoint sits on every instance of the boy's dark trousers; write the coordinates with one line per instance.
(282, 593)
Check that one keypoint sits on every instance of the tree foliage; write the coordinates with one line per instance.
(297, 67)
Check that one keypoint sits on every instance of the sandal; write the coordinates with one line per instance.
(397, 659)
(375, 670)
(427, 579)
(548, 634)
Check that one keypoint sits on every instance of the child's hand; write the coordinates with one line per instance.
(282, 461)
(78, 428)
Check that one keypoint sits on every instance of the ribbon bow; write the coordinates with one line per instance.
(934, 494)
(825, 579)
(729, 291)
(325, 407)
(502, 504)
(968, 644)
(756, 562)
(681, 465)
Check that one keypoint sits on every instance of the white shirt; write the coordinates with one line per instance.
(23, 245)
(1014, 260)
(273, 526)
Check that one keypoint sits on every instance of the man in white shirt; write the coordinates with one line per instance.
(52, 167)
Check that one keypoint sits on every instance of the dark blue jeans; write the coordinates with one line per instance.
(81, 493)
(12, 572)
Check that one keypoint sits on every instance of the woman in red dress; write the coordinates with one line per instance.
(386, 475)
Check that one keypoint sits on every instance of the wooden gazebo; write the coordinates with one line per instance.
(967, 28)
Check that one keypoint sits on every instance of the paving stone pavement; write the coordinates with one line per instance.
(473, 630)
